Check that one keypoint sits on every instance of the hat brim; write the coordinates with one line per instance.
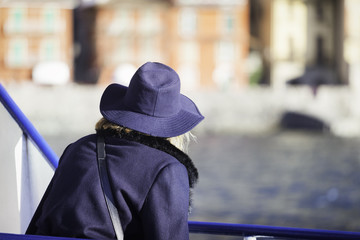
(114, 111)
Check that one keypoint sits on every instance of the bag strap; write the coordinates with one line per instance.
(105, 185)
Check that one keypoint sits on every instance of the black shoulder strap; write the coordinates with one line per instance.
(105, 184)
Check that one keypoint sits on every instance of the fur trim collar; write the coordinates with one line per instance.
(158, 143)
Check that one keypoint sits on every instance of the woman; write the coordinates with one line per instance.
(150, 177)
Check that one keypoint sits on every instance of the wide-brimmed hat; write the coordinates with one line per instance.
(152, 103)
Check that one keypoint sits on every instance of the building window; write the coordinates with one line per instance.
(187, 22)
(123, 22)
(124, 51)
(189, 75)
(224, 72)
(16, 21)
(149, 22)
(189, 52)
(49, 50)
(149, 50)
(17, 53)
(289, 43)
(227, 22)
(225, 51)
(51, 20)
(224, 75)
(189, 58)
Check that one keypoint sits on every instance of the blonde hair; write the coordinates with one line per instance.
(181, 142)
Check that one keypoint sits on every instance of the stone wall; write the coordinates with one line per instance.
(57, 109)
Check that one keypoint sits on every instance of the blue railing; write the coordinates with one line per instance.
(212, 228)
(279, 232)
(27, 127)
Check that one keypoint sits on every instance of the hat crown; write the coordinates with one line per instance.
(154, 90)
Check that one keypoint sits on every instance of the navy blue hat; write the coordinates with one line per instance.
(152, 103)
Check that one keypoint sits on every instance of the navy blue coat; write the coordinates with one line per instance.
(150, 187)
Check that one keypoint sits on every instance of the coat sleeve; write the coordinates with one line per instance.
(165, 211)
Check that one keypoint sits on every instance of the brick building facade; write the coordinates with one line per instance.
(31, 34)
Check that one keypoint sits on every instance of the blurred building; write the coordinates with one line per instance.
(125, 34)
(352, 42)
(212, 44)
(305, 43)
(206, 42)
(212, 41)
(32, 33)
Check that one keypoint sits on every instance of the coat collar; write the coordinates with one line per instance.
(161, 144)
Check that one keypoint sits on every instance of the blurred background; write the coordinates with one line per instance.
(277, 80)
